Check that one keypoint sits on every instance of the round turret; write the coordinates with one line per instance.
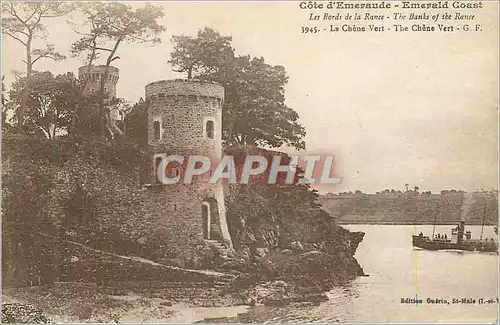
(95, 75)
(185, 119)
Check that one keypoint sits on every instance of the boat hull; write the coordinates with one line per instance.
(472, 246)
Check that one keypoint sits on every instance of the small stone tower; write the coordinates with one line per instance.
(95, 76)
(185, 118)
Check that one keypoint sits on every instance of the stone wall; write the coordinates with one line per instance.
(173, 215)
(182, 109)
(157, 222)
(96, 73)
(94, 82)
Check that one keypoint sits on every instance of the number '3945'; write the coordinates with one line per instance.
(310, 30)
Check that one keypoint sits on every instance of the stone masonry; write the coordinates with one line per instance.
(95, 76)
(184, 118)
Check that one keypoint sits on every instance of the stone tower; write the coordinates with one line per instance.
(185, 118)
(95, 75)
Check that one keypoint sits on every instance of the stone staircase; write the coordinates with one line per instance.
(220, 247)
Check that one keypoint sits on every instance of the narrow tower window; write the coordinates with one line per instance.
(156, 129)
(210, 128)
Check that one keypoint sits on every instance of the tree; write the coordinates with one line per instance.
(204, 55)
(136, 123)
(254, 91)
(273, 214)
(22, 22)
(110, 25)
(50, 101)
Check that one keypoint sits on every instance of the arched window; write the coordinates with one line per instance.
(210, 129)
(156, 130)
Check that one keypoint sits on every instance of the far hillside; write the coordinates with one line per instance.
(413, 207)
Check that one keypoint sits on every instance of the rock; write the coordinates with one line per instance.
(74, 259)
(84, 311)
(280, 284)
(260, 251)
(166, 303)
(287, 252)
(296, 246)
(265, 292)
(239, 265)
(356, 238)
(231, 253)
(22, 313)
(311, 254)
(266, 268)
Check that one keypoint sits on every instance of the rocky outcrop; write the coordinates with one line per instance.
(300, 272)
(22, 313)
(279, 293)
(355, 240)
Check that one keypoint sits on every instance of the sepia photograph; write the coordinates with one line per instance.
(250, 161)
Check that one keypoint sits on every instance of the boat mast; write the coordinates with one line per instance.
(482, 226)
(435, 215)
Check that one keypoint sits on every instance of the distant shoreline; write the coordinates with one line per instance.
(407, 223)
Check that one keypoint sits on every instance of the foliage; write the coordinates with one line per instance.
(136, 123)
(204, 55)
(50, 101)
(24, 192)
(109, 25)
(56, 186)
(255, 91)
(23, 22)
(273, 215)
(83, 186)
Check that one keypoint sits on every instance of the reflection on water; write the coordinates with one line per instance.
(398, 271)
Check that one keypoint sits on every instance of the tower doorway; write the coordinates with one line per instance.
(210, 219)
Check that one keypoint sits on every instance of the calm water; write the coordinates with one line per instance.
(397, 271)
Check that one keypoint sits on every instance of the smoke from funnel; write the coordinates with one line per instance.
(467, 204)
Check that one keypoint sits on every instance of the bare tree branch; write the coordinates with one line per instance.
(15, 37)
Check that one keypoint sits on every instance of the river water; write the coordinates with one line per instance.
(398, 271)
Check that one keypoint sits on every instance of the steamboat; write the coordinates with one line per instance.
(459, 240)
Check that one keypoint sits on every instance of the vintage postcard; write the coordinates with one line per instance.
(250, 161)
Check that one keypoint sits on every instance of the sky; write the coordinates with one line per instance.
(416, 108)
